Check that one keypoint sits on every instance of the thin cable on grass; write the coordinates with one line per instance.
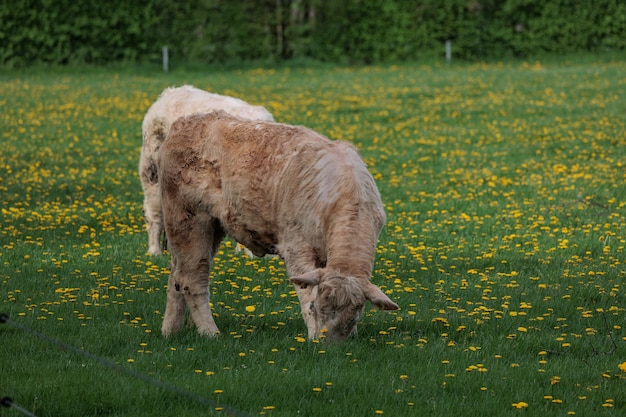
(588, 202)
(8, 403)
(610, 334)
(4, 318)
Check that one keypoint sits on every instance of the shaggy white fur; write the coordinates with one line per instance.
(172, 104)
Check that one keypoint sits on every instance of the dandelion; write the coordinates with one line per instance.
(622, 366)
(441, 320)
(520, 405)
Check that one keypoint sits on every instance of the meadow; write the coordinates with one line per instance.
(505, 190)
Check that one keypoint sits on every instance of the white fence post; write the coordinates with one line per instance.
(448, 50)
(166, 59)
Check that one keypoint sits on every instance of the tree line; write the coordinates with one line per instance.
(349, 31)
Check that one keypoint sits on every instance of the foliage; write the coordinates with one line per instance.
(351, 31)
(504, 189)
(69, 32)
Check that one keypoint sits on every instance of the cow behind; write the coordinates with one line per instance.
(277, 189)
(172, 104)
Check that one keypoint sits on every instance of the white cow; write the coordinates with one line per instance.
(172, 104)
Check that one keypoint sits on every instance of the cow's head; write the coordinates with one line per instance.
(338, 302)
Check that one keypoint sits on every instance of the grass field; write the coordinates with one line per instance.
(505, 190)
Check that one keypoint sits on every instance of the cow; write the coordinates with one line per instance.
(173, 103)
(276, 189)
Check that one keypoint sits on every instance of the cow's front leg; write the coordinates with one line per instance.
(307, 296)
(298, 262)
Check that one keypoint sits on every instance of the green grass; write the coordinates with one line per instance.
(504, 185)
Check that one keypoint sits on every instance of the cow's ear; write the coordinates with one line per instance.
(309, 279)
(379, 299)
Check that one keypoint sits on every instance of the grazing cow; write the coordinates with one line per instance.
(277, 189)
(172, 104)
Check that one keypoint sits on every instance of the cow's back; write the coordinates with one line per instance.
(260, 178)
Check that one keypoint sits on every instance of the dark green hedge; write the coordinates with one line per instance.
(80, 31)
(349, 31)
